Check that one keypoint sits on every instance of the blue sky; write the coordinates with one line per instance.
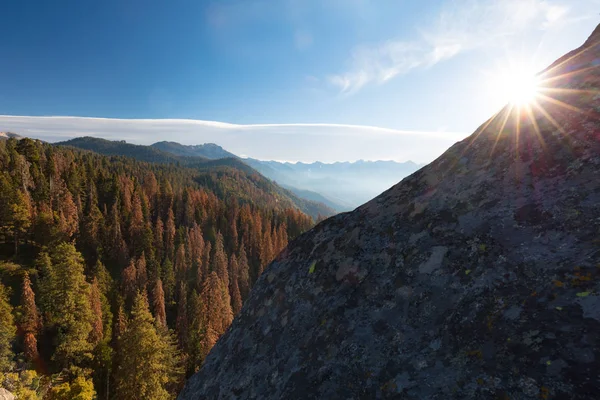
(426, 67)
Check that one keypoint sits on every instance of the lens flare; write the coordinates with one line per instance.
(518, 86)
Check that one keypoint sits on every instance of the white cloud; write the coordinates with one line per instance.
(461, 26)
(297, 142)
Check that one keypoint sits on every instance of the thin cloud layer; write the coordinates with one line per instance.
(294, 142)
(463, 26)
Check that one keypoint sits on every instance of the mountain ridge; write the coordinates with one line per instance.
(207, 150)
(340, 185)
(230, 168)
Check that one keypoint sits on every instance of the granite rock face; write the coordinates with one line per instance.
(477, 277)
(6, 395)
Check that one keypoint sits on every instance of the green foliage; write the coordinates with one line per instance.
(80, 389)
(147, 359)
(26, 384)
(67, 304)
(7, 330)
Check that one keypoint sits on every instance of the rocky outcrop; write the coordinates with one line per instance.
(6, 395)
(477, 277)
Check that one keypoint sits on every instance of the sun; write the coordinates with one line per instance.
(517, 85)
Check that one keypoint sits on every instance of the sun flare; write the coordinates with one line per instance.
(518, 86)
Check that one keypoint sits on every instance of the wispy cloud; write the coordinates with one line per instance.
(462, 26)
(298, 142)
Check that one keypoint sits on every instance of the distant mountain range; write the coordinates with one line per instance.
(316, 188)
(342, 185)
(345, 185)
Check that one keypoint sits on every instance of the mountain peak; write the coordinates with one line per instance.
(475, 277)
(208, 150)
(9, 135)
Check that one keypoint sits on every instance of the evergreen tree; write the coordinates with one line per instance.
(168, 278)
(158, 303)
(136, 226)
(170, 230)
(145, 366)
(142, 272)
(266, 251)
(30, 320)
(182, 317)
(205, 264)
(219, 260)
(97, 332)
(7, 330)
(243, 273)
(196, 332)
(159, 241)
(217, 309)
(129, 285)
(67, 305)
(19, 219)
(234, 289)
(180, 263)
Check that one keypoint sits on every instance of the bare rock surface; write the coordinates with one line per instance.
(477, 277)
(6, 395)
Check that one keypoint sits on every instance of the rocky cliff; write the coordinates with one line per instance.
(476, 277)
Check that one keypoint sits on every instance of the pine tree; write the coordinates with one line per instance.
(170, 230)
(219, 260)
(234, 289)
(93, 222)
(243, 273)
(67, 305)
(168, 278)
(120, 322)
(217, 308)
(105, 287)
(159, 241)
(69, 217)
(158, 303)
(180, 263)
(146, 359)
(117, 254)
(7, 330)
(129, 286)
(30, 320)
(266, 251)
(196, 332)
(205, 264)
(19, 219)
(136, 226)
(97, 332)
(142, 272)
(182, 317)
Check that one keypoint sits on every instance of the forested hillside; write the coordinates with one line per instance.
(117, 276)
(229, 175)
